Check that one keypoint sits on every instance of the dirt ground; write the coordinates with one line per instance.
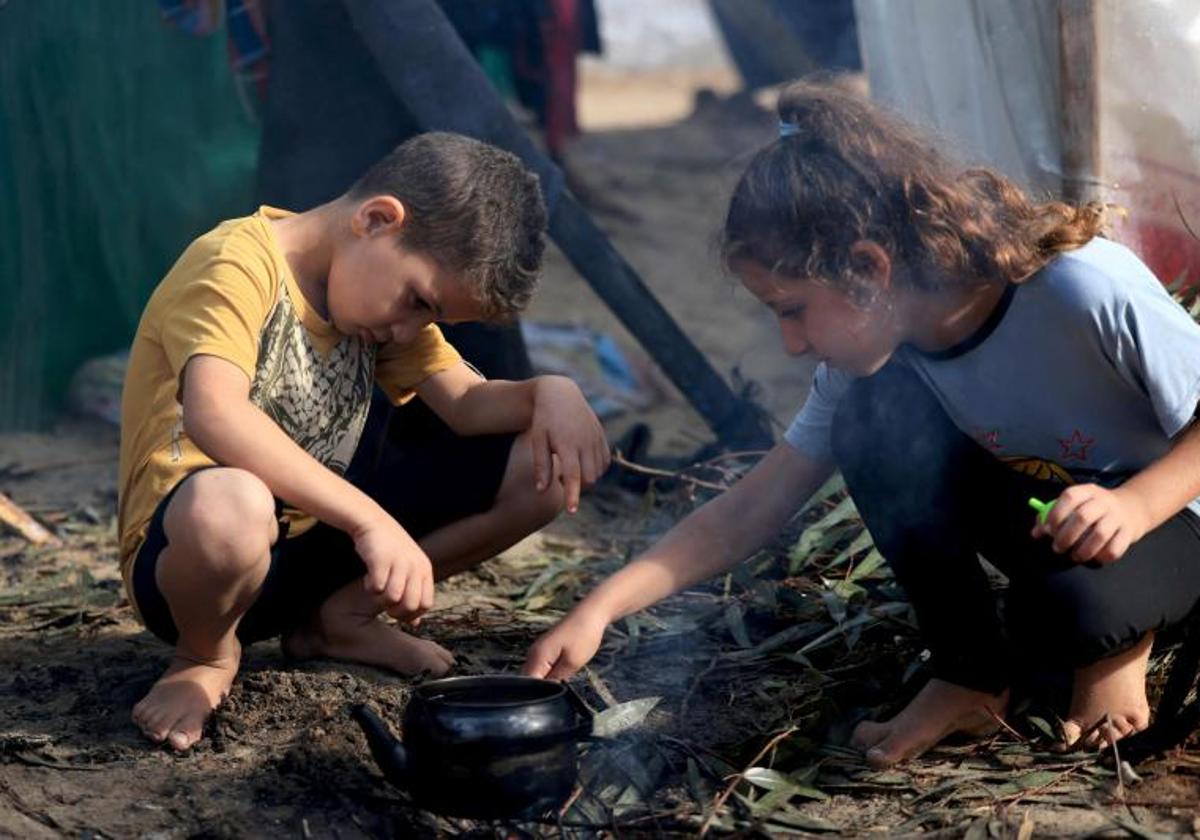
(283, 759)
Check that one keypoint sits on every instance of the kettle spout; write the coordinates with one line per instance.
(386, 749)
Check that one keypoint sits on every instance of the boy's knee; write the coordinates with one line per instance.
(544, 506)
(225, 518)
(533, 507)
(519, 494)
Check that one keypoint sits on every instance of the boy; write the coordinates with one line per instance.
(247, 394)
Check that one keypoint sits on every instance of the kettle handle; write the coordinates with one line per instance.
(584, 730)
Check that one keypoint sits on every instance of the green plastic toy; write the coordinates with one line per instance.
(1043, 508)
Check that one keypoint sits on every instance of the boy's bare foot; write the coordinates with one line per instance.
(176, 707)
(1115, 686)
(939, 709)
(368, 640)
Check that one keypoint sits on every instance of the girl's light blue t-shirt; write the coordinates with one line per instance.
(1093, 368)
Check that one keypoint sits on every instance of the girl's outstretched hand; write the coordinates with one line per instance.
(1093, 523)
(566, 647)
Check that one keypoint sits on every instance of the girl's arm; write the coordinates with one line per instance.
(1094, 523)
(1165, 487)
(711, 540)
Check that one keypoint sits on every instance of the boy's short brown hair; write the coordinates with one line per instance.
(475, 209)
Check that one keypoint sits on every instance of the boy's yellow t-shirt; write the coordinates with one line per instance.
(232, 295)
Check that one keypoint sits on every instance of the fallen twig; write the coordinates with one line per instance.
(1004, 724)
(1013, 800)
(1080, 743)
(1112, 742)
(571, 800)
(719, 802)
(625, 463)
(23, 523)
(687, 697)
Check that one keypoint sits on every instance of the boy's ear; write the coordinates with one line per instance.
(872, 263)
(378, 214)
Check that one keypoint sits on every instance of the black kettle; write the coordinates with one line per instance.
(490, 747)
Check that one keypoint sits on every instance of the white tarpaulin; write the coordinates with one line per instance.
(985, 75)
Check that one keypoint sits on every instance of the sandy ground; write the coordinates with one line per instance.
(282, 759)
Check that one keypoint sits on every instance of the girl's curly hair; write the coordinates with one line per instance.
(851, 170)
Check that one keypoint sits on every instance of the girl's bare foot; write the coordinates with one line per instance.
(1115, 686)
(176, 707)
(939, 709)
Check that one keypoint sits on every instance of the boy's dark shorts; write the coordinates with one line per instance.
(410, 462)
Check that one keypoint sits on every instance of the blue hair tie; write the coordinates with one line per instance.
(788, 129)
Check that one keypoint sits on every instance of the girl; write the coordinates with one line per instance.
(975, 349)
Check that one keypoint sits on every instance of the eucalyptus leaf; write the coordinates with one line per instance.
(847, 590)
(814, 542)
(616, 719)
(743, 576)
(772, 801)
(1042, 726)
(630, 799)
(547, 575)
(784, 637)
(835, 604)
(853, 635)
(810, 792)
(833, 485)
(766, 594)
(643, 775)
(734, 618)
(791, 818)
(871, 563)
(1029, 781)
(633, 628)
(978, 830)
(859, 544)
(767, 779)
(862, 618)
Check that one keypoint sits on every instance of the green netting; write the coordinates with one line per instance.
(120, 140)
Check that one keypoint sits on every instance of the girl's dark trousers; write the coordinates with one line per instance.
(934, 499)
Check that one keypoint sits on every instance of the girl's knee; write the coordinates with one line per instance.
(1080, 614)
(223, 518)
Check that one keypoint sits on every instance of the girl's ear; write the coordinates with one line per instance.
(872, 264)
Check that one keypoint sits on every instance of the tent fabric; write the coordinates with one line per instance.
(987, 76)
(121, 140)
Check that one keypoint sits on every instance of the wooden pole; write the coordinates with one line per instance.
(1079, 99)
(438, 81)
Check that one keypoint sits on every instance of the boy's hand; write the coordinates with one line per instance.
(566, 647)
(564, 425)
(397, 569)
(1093, 523)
